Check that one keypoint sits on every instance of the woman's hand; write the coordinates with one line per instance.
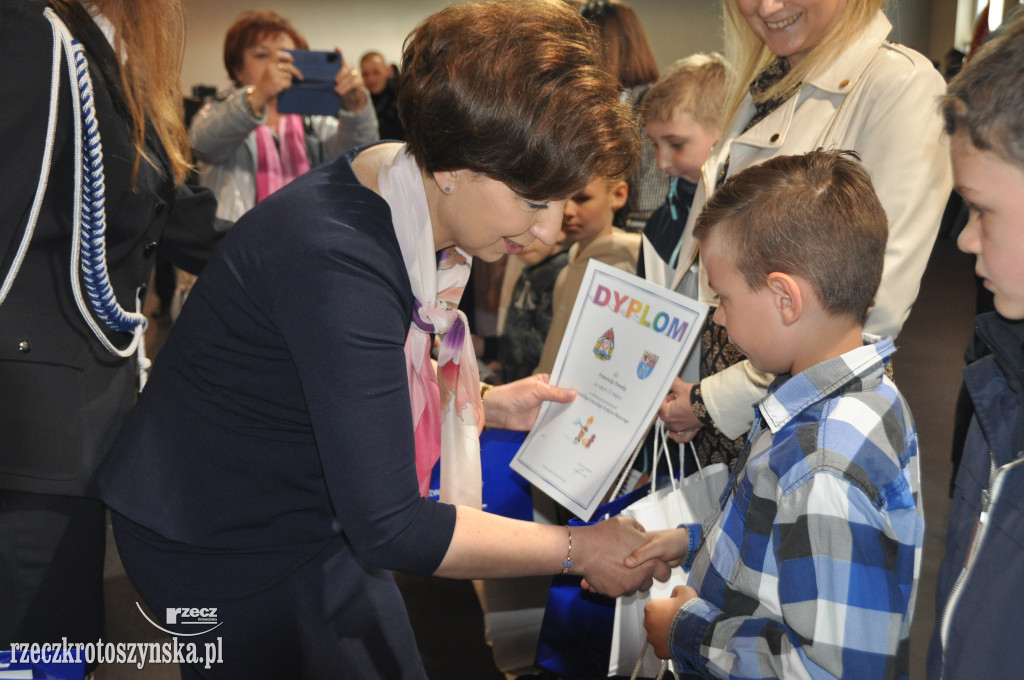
(658, 617)
(600, 551)
(666, 549)
(515, 406)
(276, 78)
(677, 412)
(349, 85)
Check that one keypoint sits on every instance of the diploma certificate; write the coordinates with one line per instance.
(625, 342)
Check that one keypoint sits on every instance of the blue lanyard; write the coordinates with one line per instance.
(673, 198)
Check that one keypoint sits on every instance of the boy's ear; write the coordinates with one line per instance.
(620, 192)
(787, 296)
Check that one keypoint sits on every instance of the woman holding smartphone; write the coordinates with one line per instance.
(246, 149)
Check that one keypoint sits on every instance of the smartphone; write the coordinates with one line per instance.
(314, 94)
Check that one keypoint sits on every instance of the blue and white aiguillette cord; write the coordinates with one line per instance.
(88, 250)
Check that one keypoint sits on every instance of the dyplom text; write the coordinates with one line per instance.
(640, 311)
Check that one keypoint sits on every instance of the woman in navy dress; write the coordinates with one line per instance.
(275, 467)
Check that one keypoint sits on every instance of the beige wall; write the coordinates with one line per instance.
(675, 28)
(943, 28)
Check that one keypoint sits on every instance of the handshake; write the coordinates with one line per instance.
(618, 557)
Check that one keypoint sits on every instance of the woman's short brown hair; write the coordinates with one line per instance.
(515, 91)
(625, 47)
(815, 216)
(249, 28)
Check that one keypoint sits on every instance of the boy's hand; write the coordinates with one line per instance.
(677, 412)
(658, 617)
(667, 546)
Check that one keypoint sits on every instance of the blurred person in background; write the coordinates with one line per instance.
(245, 148)
(382, 82)
(629, 57)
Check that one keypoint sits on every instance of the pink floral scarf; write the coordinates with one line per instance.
(446, 407)
(274, 169)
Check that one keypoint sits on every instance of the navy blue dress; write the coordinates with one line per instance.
(268, 467)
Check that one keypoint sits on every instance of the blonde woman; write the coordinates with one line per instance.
(809, 74)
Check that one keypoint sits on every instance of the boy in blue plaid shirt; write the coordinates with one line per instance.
(808, 568)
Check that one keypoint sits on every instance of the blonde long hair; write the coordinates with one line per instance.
(150, 37)
(749, 55)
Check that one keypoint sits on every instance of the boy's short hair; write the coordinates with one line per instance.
(693, 85)
(986, 99)
(815, 216)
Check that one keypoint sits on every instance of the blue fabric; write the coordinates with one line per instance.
(576, 634)
(505, 491)
(46, 671)
(981, 605)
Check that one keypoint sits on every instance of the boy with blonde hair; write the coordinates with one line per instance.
(682, 116)
(809, 566)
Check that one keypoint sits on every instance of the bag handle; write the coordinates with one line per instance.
(661, 444)
(660, 448)
(640, 663)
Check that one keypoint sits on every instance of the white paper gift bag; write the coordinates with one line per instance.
(675, 502)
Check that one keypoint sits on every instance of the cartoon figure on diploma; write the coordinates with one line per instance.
(582, 438)
(605, 345)
(647, 363)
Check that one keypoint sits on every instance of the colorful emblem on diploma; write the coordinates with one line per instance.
(646, 366)
(582, 437)
(605, 345)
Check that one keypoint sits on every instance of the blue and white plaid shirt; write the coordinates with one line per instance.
(808, 568)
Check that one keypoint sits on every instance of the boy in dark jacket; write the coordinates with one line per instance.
(979, 601)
